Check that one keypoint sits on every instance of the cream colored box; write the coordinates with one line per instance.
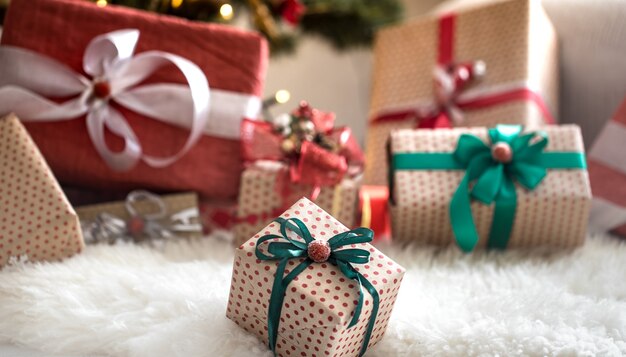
(36, 219)
(318, 305)
(514, 39)
(554, 214)
(262, 186)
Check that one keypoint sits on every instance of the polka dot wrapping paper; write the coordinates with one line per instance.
(36, 220)
(260, 198)
(553, 215)
(514, 39)
(319, 303)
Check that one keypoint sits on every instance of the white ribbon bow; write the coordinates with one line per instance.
(26, 76)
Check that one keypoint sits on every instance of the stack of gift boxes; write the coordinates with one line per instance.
(462, 148)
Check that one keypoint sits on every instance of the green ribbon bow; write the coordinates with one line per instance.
(343, 258)
(493, 180)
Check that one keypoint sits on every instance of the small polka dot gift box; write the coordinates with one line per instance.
(499, 187)
(480, 66)
(36, 220)
(308, 286)
(262, 197)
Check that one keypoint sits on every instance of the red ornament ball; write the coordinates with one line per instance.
(136, 226)
(102, 89)
(502, 152)
(319, 251)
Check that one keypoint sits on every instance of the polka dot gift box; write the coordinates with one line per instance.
(496, 188)
(261, 198)
(489, 64)
(36, 220)
(308, 286)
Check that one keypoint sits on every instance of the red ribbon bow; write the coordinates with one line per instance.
(313, 164)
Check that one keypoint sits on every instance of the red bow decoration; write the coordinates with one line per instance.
(319, 155)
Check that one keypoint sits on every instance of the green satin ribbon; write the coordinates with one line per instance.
(493, 181)
(342, 258)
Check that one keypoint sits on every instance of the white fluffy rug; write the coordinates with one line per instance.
(129, 300)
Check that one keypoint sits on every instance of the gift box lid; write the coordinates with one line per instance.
(321, 296)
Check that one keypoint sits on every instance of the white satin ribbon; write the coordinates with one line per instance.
(26, 78)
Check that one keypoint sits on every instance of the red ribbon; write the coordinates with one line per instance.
(441, 117)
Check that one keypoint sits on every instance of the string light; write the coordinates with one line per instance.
(282, 96)
(226, 11)
(101, 3)
(176, 3)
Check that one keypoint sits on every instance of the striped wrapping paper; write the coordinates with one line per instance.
(607, 172)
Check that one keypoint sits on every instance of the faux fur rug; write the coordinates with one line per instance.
(129, 300)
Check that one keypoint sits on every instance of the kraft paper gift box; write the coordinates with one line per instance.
(496, 188)
(151, 118)
(143, 216)
(607, 172)
(263, 196)
(492, 64)
(313, 314)
(36, 220)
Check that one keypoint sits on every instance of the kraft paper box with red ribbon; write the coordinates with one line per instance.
(36, 220)
(607, 172)
(302, 154)
(121, 99)
(499, 187)
(493, 64)
(308, 286)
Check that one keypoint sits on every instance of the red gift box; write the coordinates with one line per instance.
(607, 173)
(233, 61)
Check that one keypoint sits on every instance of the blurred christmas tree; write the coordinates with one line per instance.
(345, 23)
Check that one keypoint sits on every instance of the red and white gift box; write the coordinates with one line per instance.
(36, 220)
(319, 303)
(607, 173)
(129, 88)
